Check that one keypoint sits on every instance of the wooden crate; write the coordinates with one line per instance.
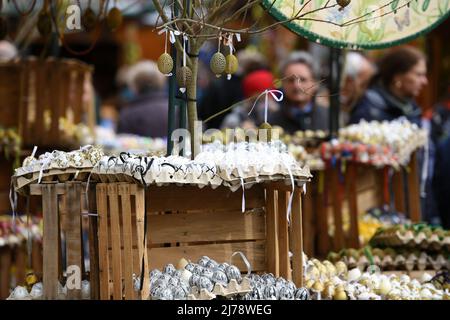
(13, 266)
(62, 216)
(35, 94)
(188, 222)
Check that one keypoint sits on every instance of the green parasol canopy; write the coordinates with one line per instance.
(362, 24)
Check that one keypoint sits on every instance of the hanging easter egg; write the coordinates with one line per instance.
(343, 3)
(231, 64)
(89, 20)
(218, 63)
(165, 63)
(44, 23)
(184, 77)
(3, 28)
(114, 18)
(265, 132)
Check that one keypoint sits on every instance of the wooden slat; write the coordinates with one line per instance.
(187, 198)
(5, 265)
(36, 258)
(308, 222)
(206, 226)
(323, 239)
(414, 192)
(353, 205)
(73, 232)
(399, 196)
(142, 247)
(93, 245)
(127, 257)
(115, 241)
(5, 204)
(102, 211)
(36, 189)
(272, 259)
(20, 264)
(50, 241)
(296, 234)
(283, 237)
(338, 241)
(254, 251)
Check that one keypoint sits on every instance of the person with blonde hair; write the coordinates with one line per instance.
(147, 113)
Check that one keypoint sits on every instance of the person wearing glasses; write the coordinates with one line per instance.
(299, 109)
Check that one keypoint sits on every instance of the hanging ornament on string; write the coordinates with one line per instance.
(184, 74)
(265, 129)
(231, 62)
(218, 61)
(165, 60)
(44, 23)
(114, 18)
(342, 4)
(89, 18)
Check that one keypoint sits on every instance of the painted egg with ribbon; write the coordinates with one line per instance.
(165, 63)
(184, 77)
(218, 63)
(231, 64)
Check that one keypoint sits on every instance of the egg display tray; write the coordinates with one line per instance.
(408, 239)
(50, 175)
(232, 289)
(401, 262)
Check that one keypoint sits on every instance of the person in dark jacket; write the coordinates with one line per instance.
(299, 110)
(402, 76)
(147, 113)
(441, 181)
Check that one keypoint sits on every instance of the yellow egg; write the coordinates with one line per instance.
(318, 286)
(340, 295)
(341, 267)
(309, 283)
(265, 132)
(231, 64)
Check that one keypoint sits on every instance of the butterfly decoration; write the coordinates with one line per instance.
(404, 21)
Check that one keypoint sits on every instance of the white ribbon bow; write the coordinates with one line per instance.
(266, 103)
